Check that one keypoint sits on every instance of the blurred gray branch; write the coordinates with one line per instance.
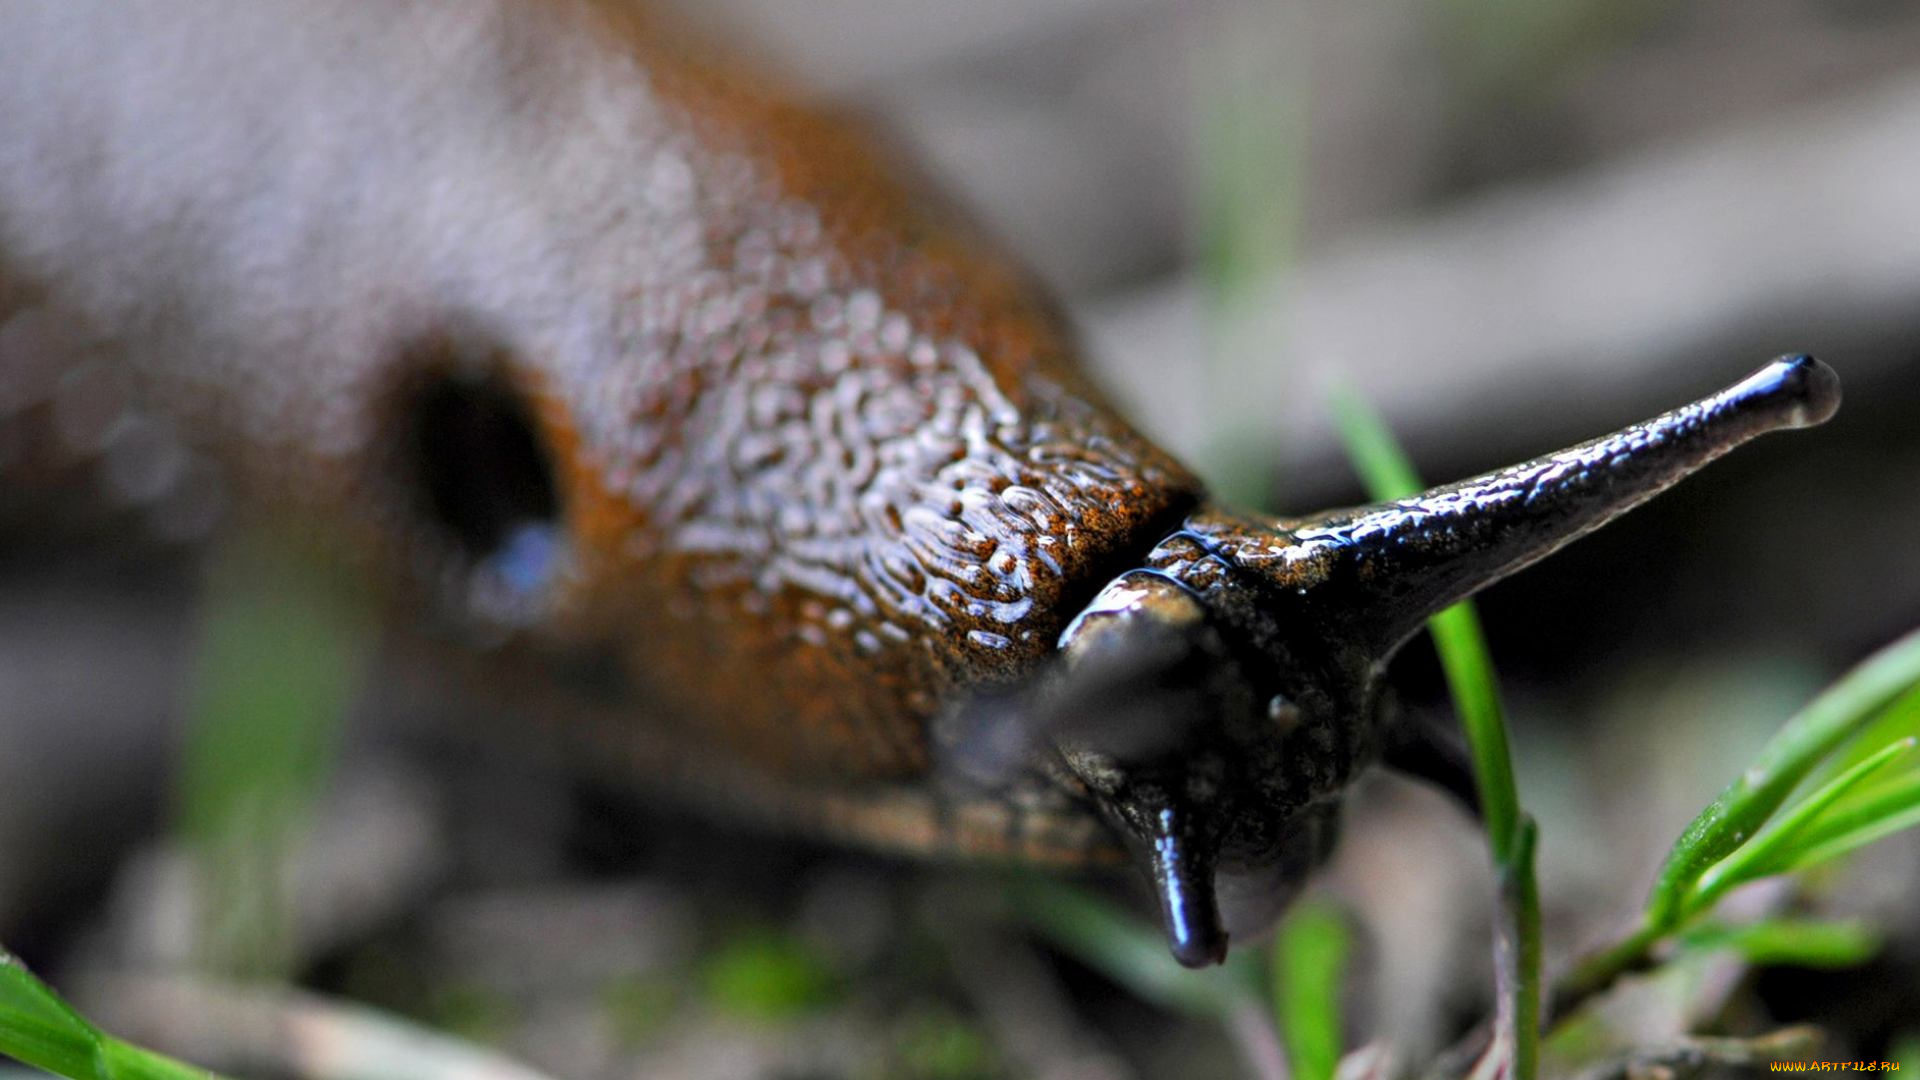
(1634, 283)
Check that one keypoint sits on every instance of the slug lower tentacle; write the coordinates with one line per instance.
(619, 369)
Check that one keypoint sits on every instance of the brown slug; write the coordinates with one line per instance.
(649, 378)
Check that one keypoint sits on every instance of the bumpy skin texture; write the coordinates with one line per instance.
(823, 459)
(838, 463)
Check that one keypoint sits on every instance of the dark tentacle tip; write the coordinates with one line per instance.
(1194, 934)
(1808, 389)
(1183, 876)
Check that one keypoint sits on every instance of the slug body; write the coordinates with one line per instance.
(610, 357)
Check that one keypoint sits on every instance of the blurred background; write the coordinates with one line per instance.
(1510, 224)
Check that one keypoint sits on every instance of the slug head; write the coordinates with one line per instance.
(1215, 703)
(1221, 774)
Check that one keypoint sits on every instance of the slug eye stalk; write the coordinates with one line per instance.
(1405, 561)
(1218, 701)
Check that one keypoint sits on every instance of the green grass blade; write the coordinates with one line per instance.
(1795, 942)
(764, 974)
(282, 649)
(1125, 950)
(128, 1062)
(1309, 959)
(1476, 696)
(1768, 852)
(1520, 912)
(1511, 835)
(1897, 721)
(1513, 1052)
(1746, 805)
(1371, 448)
(1457, 636)
(39, 1029)
(1859, 820)
(1251, 154)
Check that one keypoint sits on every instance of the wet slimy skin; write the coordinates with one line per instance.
(612, 354)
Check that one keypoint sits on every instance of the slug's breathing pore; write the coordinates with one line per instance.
(1216, 702)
